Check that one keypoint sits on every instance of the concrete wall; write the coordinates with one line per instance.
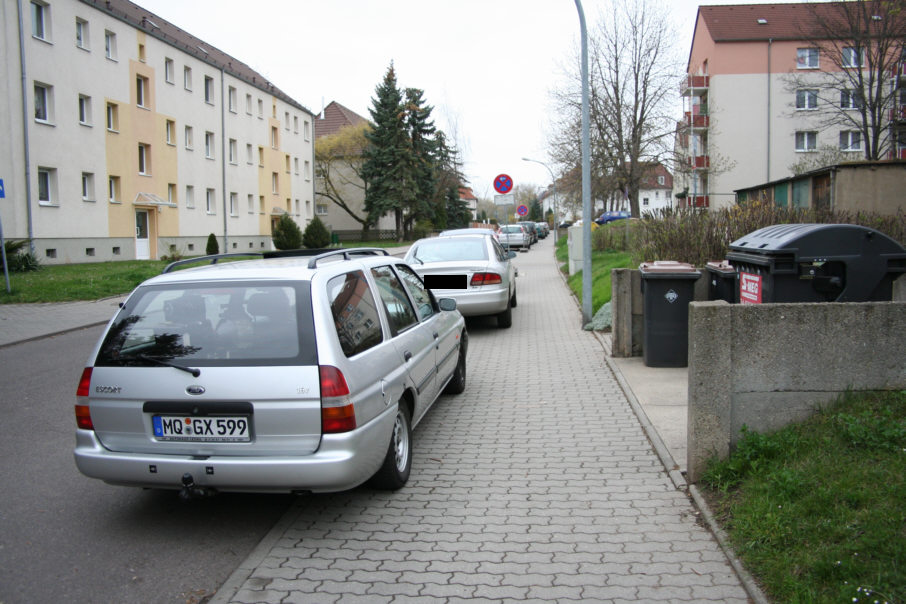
(765, 366)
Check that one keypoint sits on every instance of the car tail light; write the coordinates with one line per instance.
(82, 411)
(479, 279)
(337, 412)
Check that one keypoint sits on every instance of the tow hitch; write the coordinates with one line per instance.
(190, 490)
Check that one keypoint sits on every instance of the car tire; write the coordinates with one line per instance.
(394, 473)
(457, 383)
(513, 299)
(505, 319)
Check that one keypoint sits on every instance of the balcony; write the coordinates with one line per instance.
(693, 85)
(898, 114)
(897, 153)
(693, 201)
(699, 121)
(699, 162)
(898, 70)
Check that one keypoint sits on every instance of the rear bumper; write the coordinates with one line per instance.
(342, 462)
(477, 303)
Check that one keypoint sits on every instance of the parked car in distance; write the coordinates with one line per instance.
(474, 270)
(514, 236)
(278, 374)
(471, 231)
(531, 230)
(607, 217)
(543, 229)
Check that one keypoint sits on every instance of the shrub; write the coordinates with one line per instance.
(422, 229)
(287, 235)
(212, 247)
(316, 235)
(18, 258)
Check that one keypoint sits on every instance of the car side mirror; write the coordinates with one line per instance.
(447, 304)
(510, 254)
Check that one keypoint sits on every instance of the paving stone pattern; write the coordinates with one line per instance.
(535, 485)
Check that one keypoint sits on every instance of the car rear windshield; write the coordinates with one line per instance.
(511, 229)
(222, 324)
(455, 248)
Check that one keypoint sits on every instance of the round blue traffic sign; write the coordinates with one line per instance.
(503, 184)
(522, 210)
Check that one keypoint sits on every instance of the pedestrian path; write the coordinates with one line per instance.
(536, 484)
(23, 322)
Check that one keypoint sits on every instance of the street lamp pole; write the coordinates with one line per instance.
(586, 178)
(553, 193)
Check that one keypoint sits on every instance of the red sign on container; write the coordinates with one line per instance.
(749, 288)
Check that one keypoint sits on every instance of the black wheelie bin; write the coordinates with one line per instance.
(667, 289)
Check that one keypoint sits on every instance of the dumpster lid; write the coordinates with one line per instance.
(668, 267)
(722, 266)
(817, 240)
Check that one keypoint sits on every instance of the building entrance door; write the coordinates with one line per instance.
(142, 241)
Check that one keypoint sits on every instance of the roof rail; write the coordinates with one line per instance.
(213, 258)
(348, 253)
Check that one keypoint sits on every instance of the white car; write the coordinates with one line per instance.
(472, 269)
(281, 374)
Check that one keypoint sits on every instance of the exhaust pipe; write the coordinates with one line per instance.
(190, 490)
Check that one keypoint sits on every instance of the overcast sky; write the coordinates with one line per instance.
(487, 66)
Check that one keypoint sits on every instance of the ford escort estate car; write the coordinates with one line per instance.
(279, 374)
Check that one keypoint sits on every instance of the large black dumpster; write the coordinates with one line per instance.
(816, 263)
(722, 282)
(667, 289)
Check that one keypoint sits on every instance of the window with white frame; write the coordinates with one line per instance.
(113, 189)
(248, 104)
(144, 159)
(110, 45)
(275, 182)
(286, 120)
(850, 99)
(807, 98)
(168, 70)
(141, 92)
(234, 203)
(249, 154)
(82, 34)
(287, 161)
(296, 124)
(171, 192)
(233, 151)
(187, 78)
(852, 57)
(84, 110)
(189, 136)
(260, 109)
(87, 186)
(170, 130)
(806, 58)
(210, 202)
(141, 53)
(231, 96)
(43, 103)
(209, 145)
(321, 209)
(806, 141)
(113, 117)
(307, 130)
(190, 197)
(275, 137)
(307, 170)
(661, 180)
(209, 90)
(295, 165)
(850, 140)
(40, 20)
(250, 199)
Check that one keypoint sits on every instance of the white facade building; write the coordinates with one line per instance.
(130, 136)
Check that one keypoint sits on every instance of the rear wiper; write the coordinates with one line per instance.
(193, 370)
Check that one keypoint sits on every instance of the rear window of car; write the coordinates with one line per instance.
(228, 324)
(451, 250)
(511, 229)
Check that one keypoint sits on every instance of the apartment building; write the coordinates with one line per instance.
(756, 100)
(126, 137)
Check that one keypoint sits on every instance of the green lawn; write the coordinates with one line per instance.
(601, 265)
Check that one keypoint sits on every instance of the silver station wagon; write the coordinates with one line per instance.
(280, 374)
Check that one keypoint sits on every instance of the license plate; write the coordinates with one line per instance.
(201, 429)
(446, 282)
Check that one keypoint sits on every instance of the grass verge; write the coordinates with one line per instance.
(817, 511)
(601, 265)
(71, 282)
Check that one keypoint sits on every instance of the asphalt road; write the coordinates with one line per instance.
(68, 538)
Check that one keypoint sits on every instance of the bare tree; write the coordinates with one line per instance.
(860, 47)
(632, 76)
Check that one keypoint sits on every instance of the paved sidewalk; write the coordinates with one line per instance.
(23, 322)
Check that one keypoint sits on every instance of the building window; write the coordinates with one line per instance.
(275, 137)
(110, 45)
(189, 137)
(209, 90)
(249, 156)
(275, 182)
(806, 58)
(850, 99)
(307, 170)
(248, 104)
(84, 110)
(234, 202)
(806, 141)
(113, 189)
(187, 78)
(209, 201)
(260, 109)
(850, 140)
(853, 57)
(171, 193)
(287, 162)
(231, 96)
(190, 197)
(209, 145)
(296, 165)
(144, 159)
(321, 209)
(233, 151)
(296, 124)
(286, 120)
(170, 130)
(43, 103)
(40, 20)
(807, 99)
(113, 117)
(141, 91)
(141, 53)
(307, 128)
(260, 157)
(89, 251)
(251, 203)
(87, 186)
(81, 34)
(661, 180)
(645, 201)
(168, 70)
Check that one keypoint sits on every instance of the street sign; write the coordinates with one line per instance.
(505, 200)
(522, 210)
(503, 184)
(2, 190)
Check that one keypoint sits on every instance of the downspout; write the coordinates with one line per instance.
(27, 154)
(768, 176)
(223, 159)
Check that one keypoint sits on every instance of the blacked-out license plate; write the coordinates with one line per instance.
(446, 282)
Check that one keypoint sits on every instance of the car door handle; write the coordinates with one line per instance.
(407, 355)
(436, 335)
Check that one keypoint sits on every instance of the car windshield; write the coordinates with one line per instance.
(212, 325)
(511, 229)
(452, 249)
